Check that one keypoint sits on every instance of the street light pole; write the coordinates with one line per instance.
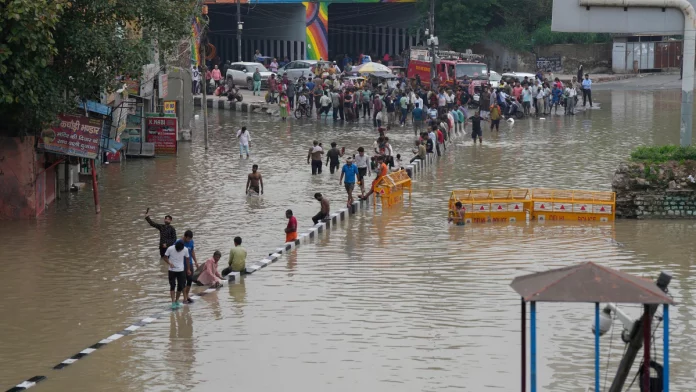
(239, 31)
(433, 66)
(204, 43)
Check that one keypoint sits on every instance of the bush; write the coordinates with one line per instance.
(659, 154)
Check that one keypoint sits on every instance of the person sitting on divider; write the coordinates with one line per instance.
(237, 262)
(209, 275)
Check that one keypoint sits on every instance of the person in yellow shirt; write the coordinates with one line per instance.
(237, 261)
(496, 114)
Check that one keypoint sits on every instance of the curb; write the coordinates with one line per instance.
(221, 104)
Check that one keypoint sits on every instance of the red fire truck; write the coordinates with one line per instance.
(452, 67)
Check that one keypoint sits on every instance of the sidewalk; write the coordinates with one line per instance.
(598, 78)
(250, 103)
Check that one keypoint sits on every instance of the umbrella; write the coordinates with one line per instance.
(371, 68)
(385, 75)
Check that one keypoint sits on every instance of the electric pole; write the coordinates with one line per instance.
(239, 31)
(204, 43)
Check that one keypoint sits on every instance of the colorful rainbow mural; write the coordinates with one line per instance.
(195, 42)
(317, 24)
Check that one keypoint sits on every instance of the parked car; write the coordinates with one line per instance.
(242, 74)
(509, 77)
(298, 68)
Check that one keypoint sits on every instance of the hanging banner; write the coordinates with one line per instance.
(170, 108)
(77, 136)
(162, 131)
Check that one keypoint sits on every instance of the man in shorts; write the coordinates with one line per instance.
(476, 131)
(175, 256)
(362, 161)
(325, 208)
(350, 171)
(253, 182)
(191, 263)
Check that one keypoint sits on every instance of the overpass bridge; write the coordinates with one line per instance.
(313, 30)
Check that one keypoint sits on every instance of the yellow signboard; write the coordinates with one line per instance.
(170, 108)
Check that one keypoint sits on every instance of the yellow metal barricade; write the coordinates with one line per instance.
(492, 205)
(390, 188)
(574, 205)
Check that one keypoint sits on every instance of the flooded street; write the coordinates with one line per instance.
(392, 300)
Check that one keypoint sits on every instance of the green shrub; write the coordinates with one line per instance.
(659, 154)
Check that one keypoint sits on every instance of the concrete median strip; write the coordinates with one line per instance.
(312, 232)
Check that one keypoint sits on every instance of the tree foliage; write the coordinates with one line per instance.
(54, 51)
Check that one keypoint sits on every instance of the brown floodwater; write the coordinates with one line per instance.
(391, 300)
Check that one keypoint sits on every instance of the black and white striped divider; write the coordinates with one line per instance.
(24, 385)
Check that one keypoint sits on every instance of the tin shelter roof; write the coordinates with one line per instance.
(588, 282)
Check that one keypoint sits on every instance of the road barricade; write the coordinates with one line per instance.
(390, 188)
(492, 205)
(573, 205)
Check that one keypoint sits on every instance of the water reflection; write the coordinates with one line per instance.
(392, 300)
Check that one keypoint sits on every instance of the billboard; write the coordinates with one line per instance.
(162, 131)
(77, 136)
(569, 16)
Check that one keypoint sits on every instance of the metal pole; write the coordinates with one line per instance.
(636, 342)
(596, 347)
(687, 95)
(646, 347)
(95, 188)
(665, 348)
(204, 43)
(239, 31)
(532, 338)
(524, 345)
(433, 70)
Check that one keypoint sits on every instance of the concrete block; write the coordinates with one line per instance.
(220, 104)
(210, 102)
(227, 104)
(280, 250)
(234, 277)
(320, 227)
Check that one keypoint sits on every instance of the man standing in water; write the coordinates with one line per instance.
(586, 90)
(315, 153)
(333, 157)
(244, 139)
(350, 171)
(175, 256)
(362, 161)
(476, 130)
(167, 232)
(253, 182)
(381, 171)
(291, 229)
(187, 240)
(325, 208)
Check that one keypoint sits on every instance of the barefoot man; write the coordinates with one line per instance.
(253, 182)
(291, 229)
(350, 171)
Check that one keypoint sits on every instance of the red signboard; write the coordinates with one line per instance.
(73, 135)
(162, 131)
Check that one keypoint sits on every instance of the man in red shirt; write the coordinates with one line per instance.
(291, 230)
(441, 138)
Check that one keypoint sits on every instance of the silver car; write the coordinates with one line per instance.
(242, 74)
(295, 69)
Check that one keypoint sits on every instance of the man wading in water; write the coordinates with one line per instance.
(315, 154)
(253, 182)
(167, 232)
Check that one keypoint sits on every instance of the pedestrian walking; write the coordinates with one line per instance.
(244, 142)
(191, 262)
(350, 172)
(254, 185)
(175, 256)
(333, 157)
(257, 82)
(166, 230)
(217, 76)
(362, 161)
(315, 154)
(325, 208)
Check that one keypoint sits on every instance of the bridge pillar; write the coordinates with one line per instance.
(317, 25)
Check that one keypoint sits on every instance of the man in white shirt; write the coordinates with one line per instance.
(196, 78)
(362, 161)
(325, 102)
(244, 138)
(176, 257)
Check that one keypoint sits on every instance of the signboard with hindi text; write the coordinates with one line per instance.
(77, 136)
(162, 131)
(170, 108)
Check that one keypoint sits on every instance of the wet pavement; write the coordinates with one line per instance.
(391, 300)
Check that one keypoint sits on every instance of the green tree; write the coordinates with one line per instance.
(53, 52)
(460, 24)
